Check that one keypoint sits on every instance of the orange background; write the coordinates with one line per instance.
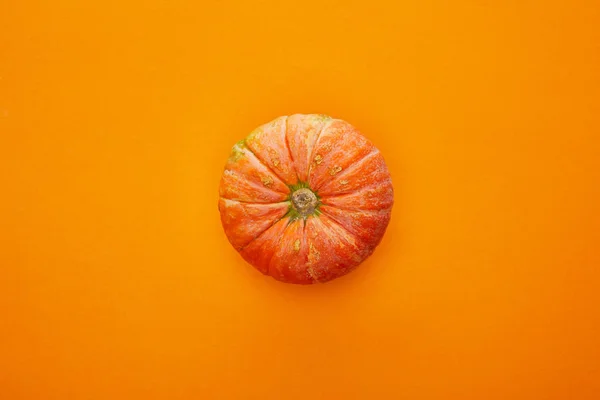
(117, 282)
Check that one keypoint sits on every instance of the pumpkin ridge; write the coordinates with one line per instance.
(342, 247)
(378, 211)
(312, 151)
(278, 244)
(372, 197)
(254, 202)
(263, 232)
(264, 163)
(253, 184)
(309, 270)
(339, 224)
(357, 190)
(282, 254)
(351, 168)
(245, 212)
(365, 210)
(241, 149)
(289, 149)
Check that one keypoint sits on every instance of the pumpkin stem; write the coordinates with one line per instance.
(305, 202)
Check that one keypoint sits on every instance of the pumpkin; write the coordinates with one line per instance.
(305, 198)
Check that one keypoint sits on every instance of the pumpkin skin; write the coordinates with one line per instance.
(305, 198)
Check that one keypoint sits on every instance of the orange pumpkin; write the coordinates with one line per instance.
(305, 198)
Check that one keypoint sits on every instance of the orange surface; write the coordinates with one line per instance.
(117, 282)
